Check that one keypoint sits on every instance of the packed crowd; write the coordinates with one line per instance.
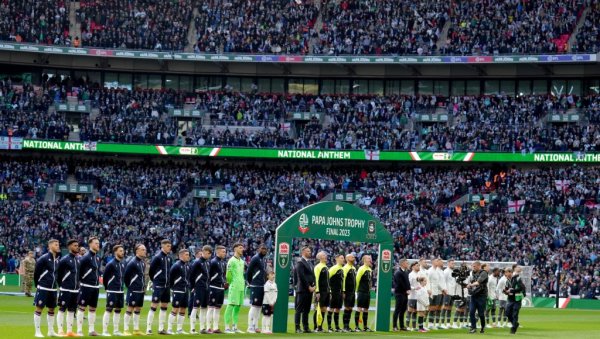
(40, 22)
(242, 109)
(587, 37)
(512, 27)
(27, 180)
(263, 120)
(130, 116)
(126, 225)
(139, 24)
(555, 221)
(24, 113)
(509, 124)
(264, 26)
(136, 183)
(382, 27)
(330, 27)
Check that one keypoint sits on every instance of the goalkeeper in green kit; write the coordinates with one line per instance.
(236, 282)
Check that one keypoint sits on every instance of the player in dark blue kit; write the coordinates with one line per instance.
(68, 279)
(197, 256)
(256, 278)
(114, 273)
(136, 286)
(180, 284)
(199, 278)
(159, 274)
(90, 286)
(44, 278)
(216, 288)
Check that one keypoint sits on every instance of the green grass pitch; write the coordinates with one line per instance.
(16, 322)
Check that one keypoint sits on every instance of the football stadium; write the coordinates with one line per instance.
(298, 168)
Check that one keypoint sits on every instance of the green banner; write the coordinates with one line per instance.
(314, 155)
(10, 280)
(269, 58)
(583, 304)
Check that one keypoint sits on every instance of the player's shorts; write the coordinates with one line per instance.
(492, 304)
(161, 294)
(115, 300)
(412, 303)
(363, 300)
(200, 298)
(267, 310)
(88, 296)
(68, 300)
(447, 300)
(45, 298)
(502, 303)
(349, 300)
(336, 300)
(235, 297)
(135, 299)
(436, 300)
(257, 295)
(180, 299)
(324, 299)
(215, 297)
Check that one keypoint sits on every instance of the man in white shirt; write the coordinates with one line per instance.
(492, 296)
(424, 272)
(448, 300)
(412, 296)
(438, 290)
(502, 298)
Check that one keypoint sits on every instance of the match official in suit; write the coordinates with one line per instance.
(401, 289)
(305, 286)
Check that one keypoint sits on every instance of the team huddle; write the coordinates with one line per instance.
(72, 283)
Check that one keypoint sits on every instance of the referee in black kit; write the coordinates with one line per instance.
(305, 286)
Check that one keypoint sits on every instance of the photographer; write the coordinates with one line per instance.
(478, 290)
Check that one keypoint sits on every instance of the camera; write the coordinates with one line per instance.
(461, 274)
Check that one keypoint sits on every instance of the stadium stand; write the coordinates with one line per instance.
(264, 26)
(139, 24)
(512, 27)
(40, 22)
(488, 122)
(329, 27)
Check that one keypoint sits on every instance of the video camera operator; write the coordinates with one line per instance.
(477, 288)
(461, 276)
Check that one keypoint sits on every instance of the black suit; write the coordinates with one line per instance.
(304, 278)
(402, 285)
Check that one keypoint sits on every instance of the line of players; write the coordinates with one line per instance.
(333, 287)
(73, 283)
(434, 292)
